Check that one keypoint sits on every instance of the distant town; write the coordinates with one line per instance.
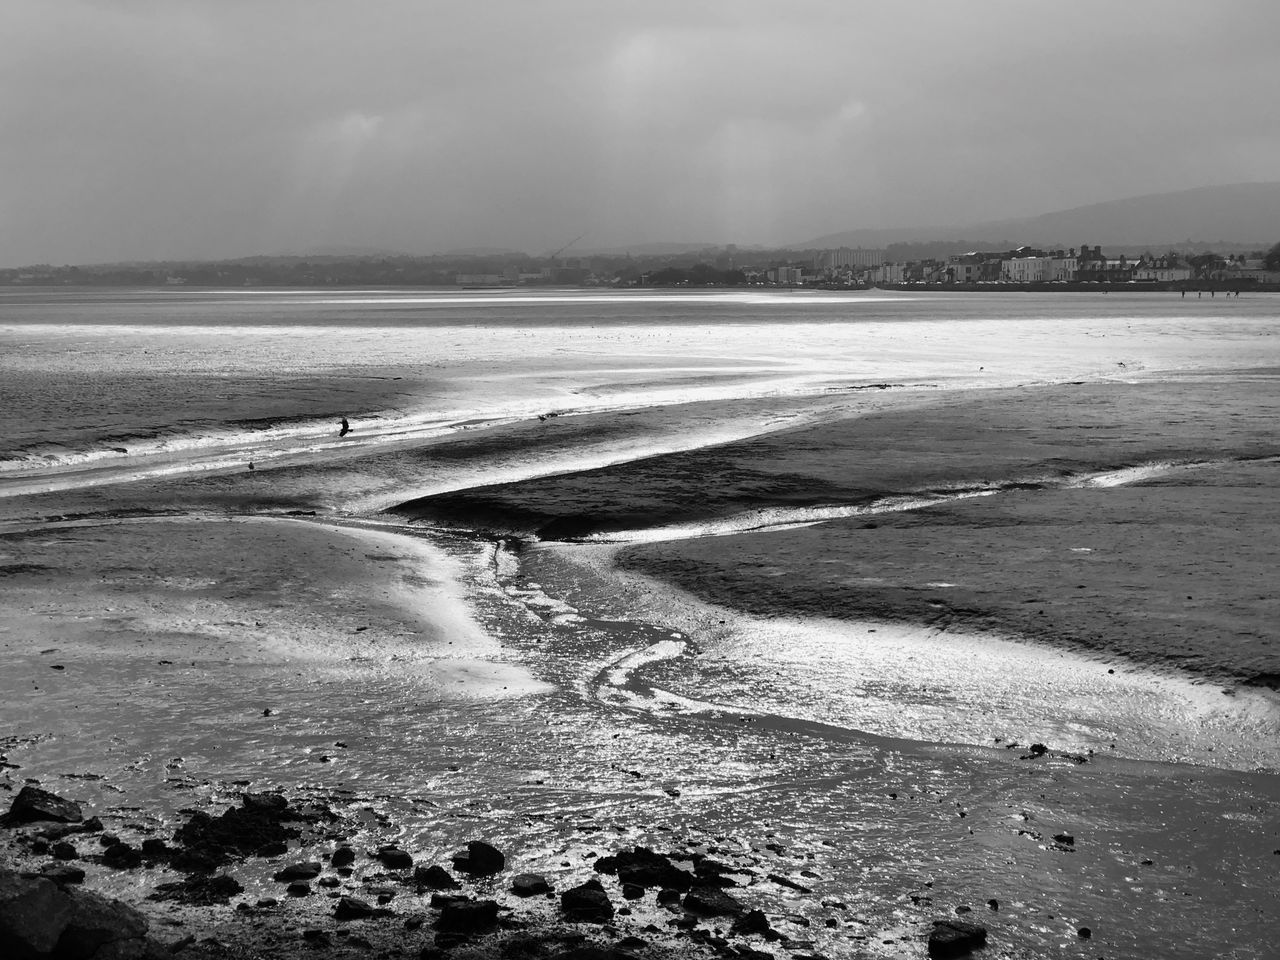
(924, 264)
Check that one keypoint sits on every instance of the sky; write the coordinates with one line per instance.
(183, 129)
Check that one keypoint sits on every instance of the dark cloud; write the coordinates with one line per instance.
(172, 128)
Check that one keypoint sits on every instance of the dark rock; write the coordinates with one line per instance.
(434, 877)
(479, 859)
(263, 820)
(529, 885)
(955, 938)
(1066, 839)
(467, 916)
(632, 891)
(199, 889)
(121, 856)
(272, 848)
(668, 895)
(790, 884)
(153, 848)
(32, 804)
(299, 888)
(1038, 750)
(64, 851)
(267, 902)
(993, 904)
(99, 927)
(712, 902)
(297, 871)
(753, 921)
(33, 914)
(397, 859)
(343, 857)
(315, 936)
(1084, 933)
(352, 908)
(61, 874)
(587, 903)
(645, 868)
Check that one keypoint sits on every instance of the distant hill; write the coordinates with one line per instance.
(1236, 214)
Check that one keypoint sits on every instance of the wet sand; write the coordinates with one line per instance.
(1164, 568)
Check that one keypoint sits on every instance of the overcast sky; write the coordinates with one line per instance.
(210, 128)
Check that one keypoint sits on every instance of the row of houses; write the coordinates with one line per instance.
(1026, 265)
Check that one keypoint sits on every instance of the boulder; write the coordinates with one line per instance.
(955, 938)
(712, 902)
(98, 926)
(753, 921)
(645, 868)
(479, 859)
(529, 885)
(33, 914)
(299, 888)
(396, 859)
(434, 877)
(352, 908)
(587, 903)
(33, 804)
(297, 871)
(343, 857)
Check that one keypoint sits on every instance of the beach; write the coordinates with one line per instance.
(802, 605)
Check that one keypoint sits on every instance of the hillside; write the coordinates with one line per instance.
(1241, 213)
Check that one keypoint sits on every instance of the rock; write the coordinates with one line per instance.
(32, 804)
(99, 927)
(1038, 750)
(61, 874)
(668, 895)
(587, 903)
(1066, 839)
(297, 871)
(632, 891)
(38, 919)
(529, 885)
(329, 882)
(262, 821)
(645, 868)
(479, 859)
(33, 913)
(299, 888)
(790, 884)
(121, 856)
(993, 904)
(753, 921)
(1084, 933)
(397, 859)
(712, 902)
(343, 857)
(467, 916)
(199, 889)
(955, 938)
(153, 848)
(352, 908)
(434, 877)
(64, 851)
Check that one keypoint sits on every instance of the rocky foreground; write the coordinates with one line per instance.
(641, 903)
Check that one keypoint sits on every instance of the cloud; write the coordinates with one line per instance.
(140, 128)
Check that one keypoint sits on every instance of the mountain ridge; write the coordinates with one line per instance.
(1237, 213)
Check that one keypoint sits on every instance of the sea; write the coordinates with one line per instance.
(587, 709)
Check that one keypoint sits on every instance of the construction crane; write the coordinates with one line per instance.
(553, 256)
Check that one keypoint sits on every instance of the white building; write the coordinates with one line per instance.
(1026, 270)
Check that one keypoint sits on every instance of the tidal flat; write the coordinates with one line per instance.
(888, 647)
